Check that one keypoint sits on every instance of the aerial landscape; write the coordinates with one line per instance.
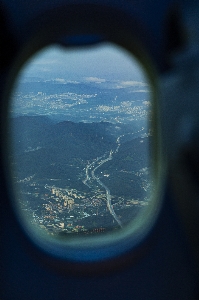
(81, 146)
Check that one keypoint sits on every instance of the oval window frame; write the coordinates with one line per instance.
(97, 250)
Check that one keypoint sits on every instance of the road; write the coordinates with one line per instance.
(97, 163)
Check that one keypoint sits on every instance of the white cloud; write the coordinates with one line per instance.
(142, 91)
(137, 84)
(61, 80)
(95, 79)
(133, 83)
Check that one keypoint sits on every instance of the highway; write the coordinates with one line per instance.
(97, 163)
(108, 194)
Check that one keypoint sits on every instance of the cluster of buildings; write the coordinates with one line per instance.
(42, 102)
(63, 211)
(68, 201)
(134, 112)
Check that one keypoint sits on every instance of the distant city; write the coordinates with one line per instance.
(84, 102)
(81, 153)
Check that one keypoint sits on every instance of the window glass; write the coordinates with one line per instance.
(80, 124)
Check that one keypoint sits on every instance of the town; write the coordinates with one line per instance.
(67, 210)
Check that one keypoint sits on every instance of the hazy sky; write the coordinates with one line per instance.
(102, 62)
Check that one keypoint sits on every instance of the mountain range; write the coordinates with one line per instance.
(62, 150)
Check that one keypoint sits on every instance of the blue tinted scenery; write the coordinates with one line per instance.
(81, 136)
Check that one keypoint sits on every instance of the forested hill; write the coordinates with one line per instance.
(76, 139)
(62, 150)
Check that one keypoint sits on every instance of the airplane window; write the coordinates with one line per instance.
(81, 136)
